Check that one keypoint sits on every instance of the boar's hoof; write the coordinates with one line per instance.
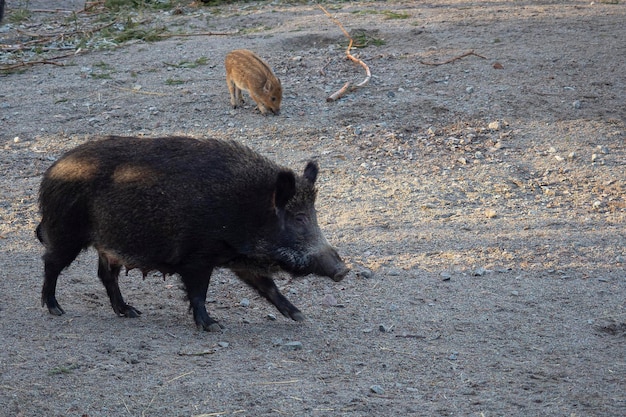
(132, 312)
(298, 316)
(128, 311)
(56, 310)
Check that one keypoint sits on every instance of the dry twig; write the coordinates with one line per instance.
(43, 61)
(347, 86)
(453, 59)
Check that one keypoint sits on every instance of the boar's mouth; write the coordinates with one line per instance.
(340, 274)
(327, 264)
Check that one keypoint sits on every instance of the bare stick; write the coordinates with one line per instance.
(347, 86)
(175, 35)
(453, 59)
(339, 93)
(44, 61)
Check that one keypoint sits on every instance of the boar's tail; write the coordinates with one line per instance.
(39, 233)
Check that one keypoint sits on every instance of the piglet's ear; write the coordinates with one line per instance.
(285, 188)
(310, 172)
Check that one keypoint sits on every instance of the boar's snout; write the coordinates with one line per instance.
(331, 265)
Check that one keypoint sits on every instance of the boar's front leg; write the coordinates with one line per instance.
(196, 279)
(267, 288)
(109, 272)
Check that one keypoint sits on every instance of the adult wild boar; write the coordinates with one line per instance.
(181, 206)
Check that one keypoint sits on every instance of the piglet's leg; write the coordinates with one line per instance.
(267, 288)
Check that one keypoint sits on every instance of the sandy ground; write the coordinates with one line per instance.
(480, 203)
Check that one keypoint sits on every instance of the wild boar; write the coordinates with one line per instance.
(181, 206)
(247, 71)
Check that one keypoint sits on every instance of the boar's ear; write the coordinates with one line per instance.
(285, 188)
(310, 172)
(267, 87)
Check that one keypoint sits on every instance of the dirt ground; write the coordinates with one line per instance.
(480, 204)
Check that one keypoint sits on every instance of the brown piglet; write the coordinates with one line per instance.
(247, 71)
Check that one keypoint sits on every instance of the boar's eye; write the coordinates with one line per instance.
(273, 98)
(302, 219)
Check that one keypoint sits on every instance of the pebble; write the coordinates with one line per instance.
(393, 272)
(479, 272)
(377, 389)
(453, 356)
(603, 149)
(490, 213)
(365, 273)
(576, 104)
(445, 276)
(385, 329)
(515, 293)
(293, 346)
(494, 125)
(223, 344)
(594, 157)
(271, 317)
(245, 302)
(16, 139)
(469, 90)
(329, 300)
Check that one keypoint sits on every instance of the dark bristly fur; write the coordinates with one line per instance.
(184, 206)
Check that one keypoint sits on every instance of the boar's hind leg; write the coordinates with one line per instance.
(196, 282)
(267, 288)
(55, 260)
(109, 273)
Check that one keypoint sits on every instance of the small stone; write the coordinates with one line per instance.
(469, 90)
(558, 158)
(479, 155)
(494, 125)
(293, 346)
(462, 161)
(271, 317)
(445, 276)
(597, 204)
(393, 272)
(453, 356)
(603, 149)
(571, 155)
(368, 330)
(16, 139)
(385, 329)
(594, 157)
(431, 131)
(223, 344)
(365, 273)
(490, 213)
(391, 94)
(515, 293)
(551, 149)
(479, 272)
(245, 302)
(576, 104)
(377, 389)
(297, 58)
(329, 300)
